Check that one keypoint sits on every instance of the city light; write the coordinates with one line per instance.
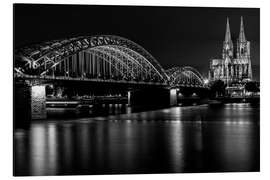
(206, 81)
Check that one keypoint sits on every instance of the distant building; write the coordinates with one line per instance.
(232, 68)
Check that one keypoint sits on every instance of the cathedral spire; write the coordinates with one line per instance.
(227, 44)
(228, 32)
(242, 37)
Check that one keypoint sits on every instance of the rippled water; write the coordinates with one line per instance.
(178, 139)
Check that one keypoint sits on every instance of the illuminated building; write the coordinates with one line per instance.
(233, 67)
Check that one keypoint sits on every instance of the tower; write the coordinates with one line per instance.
(242, 43)
(227, 53)
(227, 43)
(243, 52)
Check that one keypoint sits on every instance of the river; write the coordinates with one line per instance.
(172, 140)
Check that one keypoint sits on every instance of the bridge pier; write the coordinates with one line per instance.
(173, 97)
(129, 98)
(38, 102)
(29, 102)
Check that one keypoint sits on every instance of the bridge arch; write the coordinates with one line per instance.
(100, 56)
(185, 76)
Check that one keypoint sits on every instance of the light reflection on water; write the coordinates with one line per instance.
(179, 139)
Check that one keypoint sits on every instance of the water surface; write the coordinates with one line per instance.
(173, 140)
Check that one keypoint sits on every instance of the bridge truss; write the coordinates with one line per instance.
(103, 57)
(185, 76)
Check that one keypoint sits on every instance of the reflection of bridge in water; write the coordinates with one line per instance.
(98, 65)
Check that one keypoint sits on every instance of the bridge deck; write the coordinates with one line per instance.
(63, 78)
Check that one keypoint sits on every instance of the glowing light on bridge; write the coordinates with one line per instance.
(206, 81)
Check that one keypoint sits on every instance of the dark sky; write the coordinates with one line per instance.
(175, 36)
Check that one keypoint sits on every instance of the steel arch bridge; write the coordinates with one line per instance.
(99, 58)
(186, 76)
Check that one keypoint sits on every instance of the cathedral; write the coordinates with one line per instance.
(235, 66)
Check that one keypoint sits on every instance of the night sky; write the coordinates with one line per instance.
(175, 36)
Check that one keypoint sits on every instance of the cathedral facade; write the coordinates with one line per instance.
(235, 64)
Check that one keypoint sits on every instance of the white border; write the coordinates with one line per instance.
(6, 86)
